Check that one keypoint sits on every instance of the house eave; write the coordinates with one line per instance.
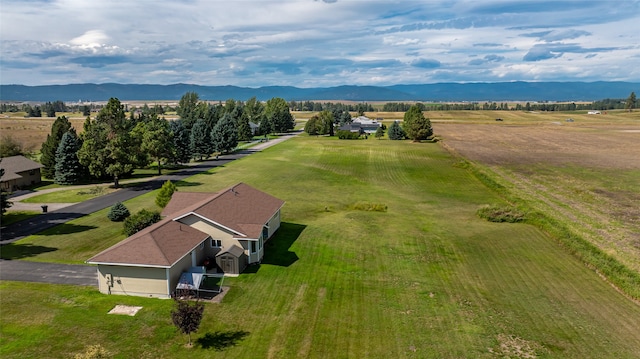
(210, 221)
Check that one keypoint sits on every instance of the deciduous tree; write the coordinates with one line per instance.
(416, 126)
(187, 315)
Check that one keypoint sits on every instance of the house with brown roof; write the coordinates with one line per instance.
(223, 232)
(19, 172)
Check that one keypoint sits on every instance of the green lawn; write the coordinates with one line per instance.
(424, 279)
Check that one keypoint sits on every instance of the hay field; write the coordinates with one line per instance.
(587, 175)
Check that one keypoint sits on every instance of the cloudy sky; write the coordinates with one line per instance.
(309, 43)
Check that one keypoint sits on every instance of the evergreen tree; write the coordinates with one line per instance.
(118, 212)
(225, 135)
(630, 104)
(49, 147)
(68, 167)
(416, 126)
(156, 139)
(379, 132)
(108, 147)
(396, 132)
(181, 140)
(165, 193)
(277, 113)
(188, 109)
(200, 140)
(244, 129)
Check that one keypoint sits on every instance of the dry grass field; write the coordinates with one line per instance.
(584, 173)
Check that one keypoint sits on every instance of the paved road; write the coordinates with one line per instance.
(39, 223)
(24, 271)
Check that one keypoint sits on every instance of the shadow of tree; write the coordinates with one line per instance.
(277, 248)
(221, 340)
(19, 251)
(67, 228)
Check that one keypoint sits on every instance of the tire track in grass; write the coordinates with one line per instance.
(529, 278)
(278, 341)
(311, 323)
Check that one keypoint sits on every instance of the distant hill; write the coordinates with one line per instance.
(493, 91)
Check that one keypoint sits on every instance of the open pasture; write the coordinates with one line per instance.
(425, 278)
(586, 175)
(32, 132)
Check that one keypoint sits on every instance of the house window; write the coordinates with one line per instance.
(254, 247)
(202, 245)
(265, 232)
(216, 243)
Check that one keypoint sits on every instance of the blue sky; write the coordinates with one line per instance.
(309, 43)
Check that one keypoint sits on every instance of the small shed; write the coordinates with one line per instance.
(232, 260)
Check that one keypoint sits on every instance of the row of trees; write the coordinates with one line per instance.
(113, 145)
(606, 104)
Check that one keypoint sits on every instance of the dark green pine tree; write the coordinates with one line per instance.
(68, 167)
(244, 129)
(200, 140)
(225, 135)
(180, 141)
(49, 147)
(396, 132)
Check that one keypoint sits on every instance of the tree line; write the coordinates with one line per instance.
(113, 144)
(602, 105)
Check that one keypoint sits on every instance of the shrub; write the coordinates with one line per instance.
(140, 220)
(348, 135)
(500, 214)
(118, 212)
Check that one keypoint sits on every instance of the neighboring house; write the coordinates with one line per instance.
(363, 124)
(255, 128)
(19, 172)
(224, 232)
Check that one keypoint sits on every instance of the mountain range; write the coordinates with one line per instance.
(438, 92)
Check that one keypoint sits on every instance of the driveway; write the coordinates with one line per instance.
(24, 271)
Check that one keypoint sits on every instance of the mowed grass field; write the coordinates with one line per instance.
(424, 279)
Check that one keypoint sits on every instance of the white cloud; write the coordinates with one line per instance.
(302, 42)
